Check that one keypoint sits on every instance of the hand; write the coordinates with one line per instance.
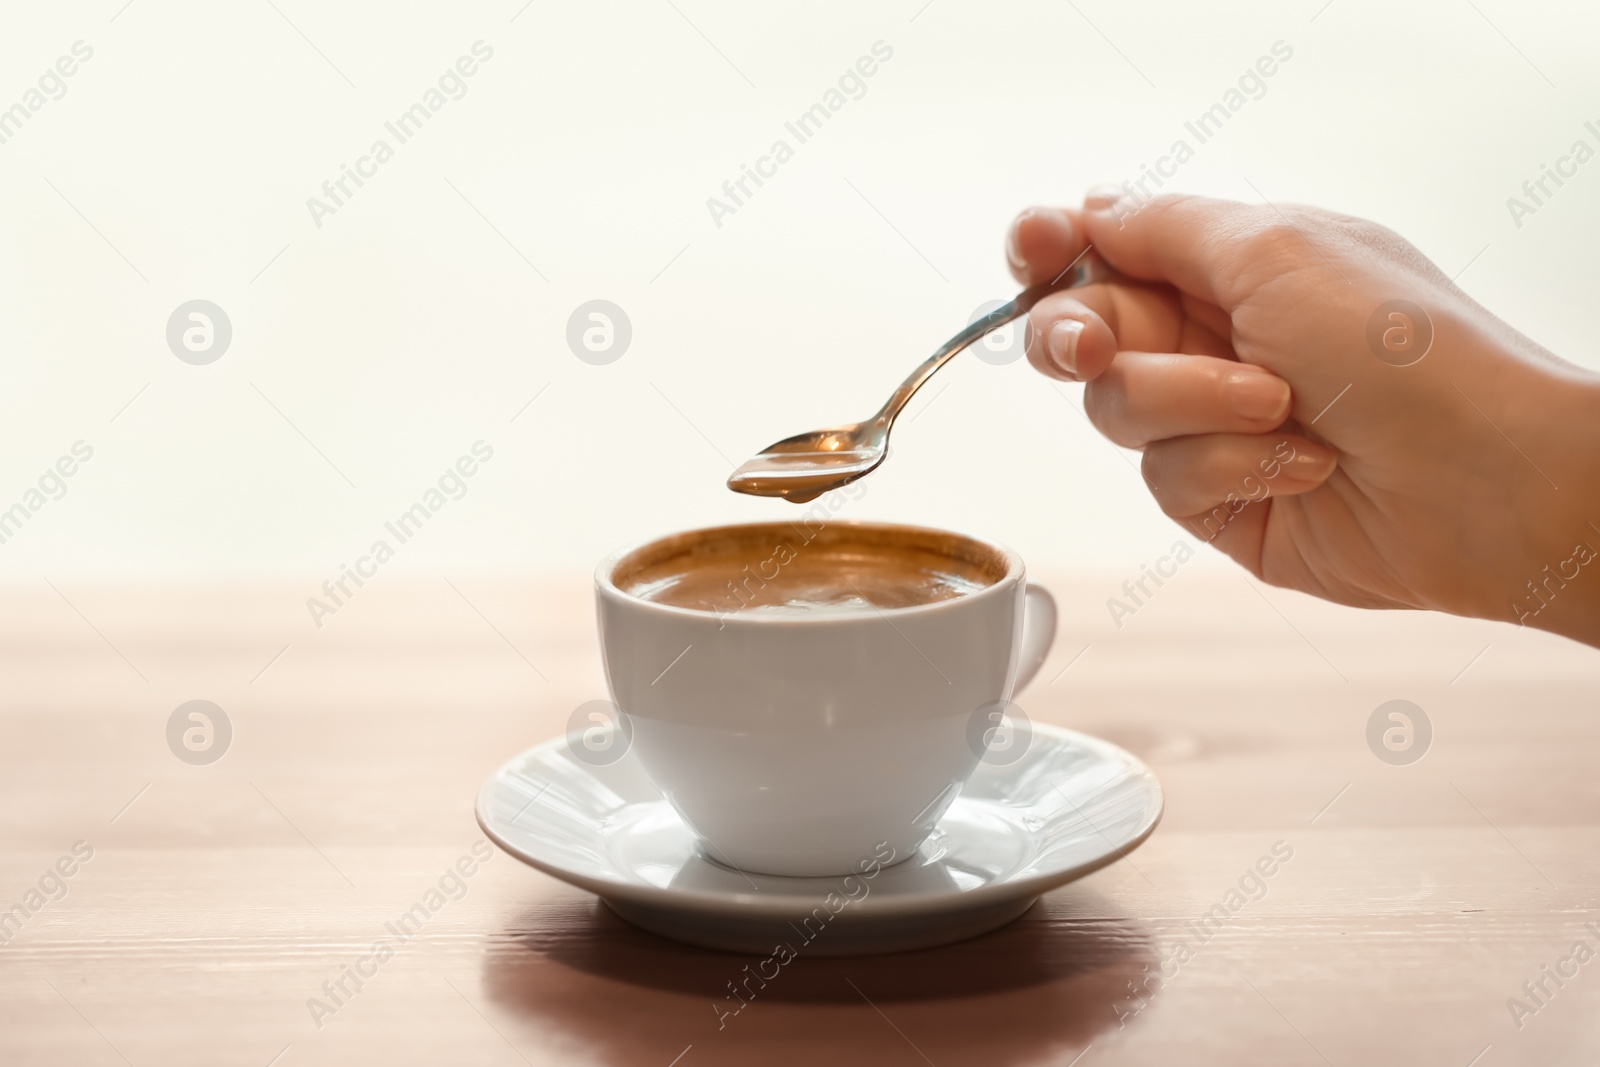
(1232, 347)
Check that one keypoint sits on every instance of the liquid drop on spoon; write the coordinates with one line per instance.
(802, 476)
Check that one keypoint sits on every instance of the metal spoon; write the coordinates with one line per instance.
(803, 467)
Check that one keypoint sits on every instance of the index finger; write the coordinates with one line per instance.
(1200, 245)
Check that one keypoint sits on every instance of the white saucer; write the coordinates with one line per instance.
(1070, 805)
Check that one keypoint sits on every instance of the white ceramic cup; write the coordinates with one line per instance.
(797, 745)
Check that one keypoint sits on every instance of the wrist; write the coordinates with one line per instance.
(1554, 583)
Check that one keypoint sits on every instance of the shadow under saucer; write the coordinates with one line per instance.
(1041, 987)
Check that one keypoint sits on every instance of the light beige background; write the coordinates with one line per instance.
(406, 328)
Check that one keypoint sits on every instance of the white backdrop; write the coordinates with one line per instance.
(374, 345)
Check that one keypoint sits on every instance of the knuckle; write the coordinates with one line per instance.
(1163, 211)
(1372, 237)
(1274, 237)
(1282, 241)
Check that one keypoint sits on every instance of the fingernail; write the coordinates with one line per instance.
(1311, 464)
(1102, 197)
(1062, 344)
(1257, 395)
(1013, 251)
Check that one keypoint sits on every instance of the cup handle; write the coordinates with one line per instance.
(1038, 633)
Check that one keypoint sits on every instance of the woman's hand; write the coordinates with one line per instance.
(1316, 399)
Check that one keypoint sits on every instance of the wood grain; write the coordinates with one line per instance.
(216, 903)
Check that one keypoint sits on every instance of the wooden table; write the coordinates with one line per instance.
(220, 898)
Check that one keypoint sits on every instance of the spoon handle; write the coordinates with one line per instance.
(1088, 269)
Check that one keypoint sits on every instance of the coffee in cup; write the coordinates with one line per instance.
(853, 569)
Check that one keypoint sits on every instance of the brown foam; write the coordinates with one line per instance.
(799, 568)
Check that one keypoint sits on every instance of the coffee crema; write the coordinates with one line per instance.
(793, 569)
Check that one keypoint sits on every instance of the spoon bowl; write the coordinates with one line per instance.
(803, 467)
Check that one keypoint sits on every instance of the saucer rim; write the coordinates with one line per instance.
(759, 904)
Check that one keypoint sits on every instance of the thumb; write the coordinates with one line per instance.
(1197, 244)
